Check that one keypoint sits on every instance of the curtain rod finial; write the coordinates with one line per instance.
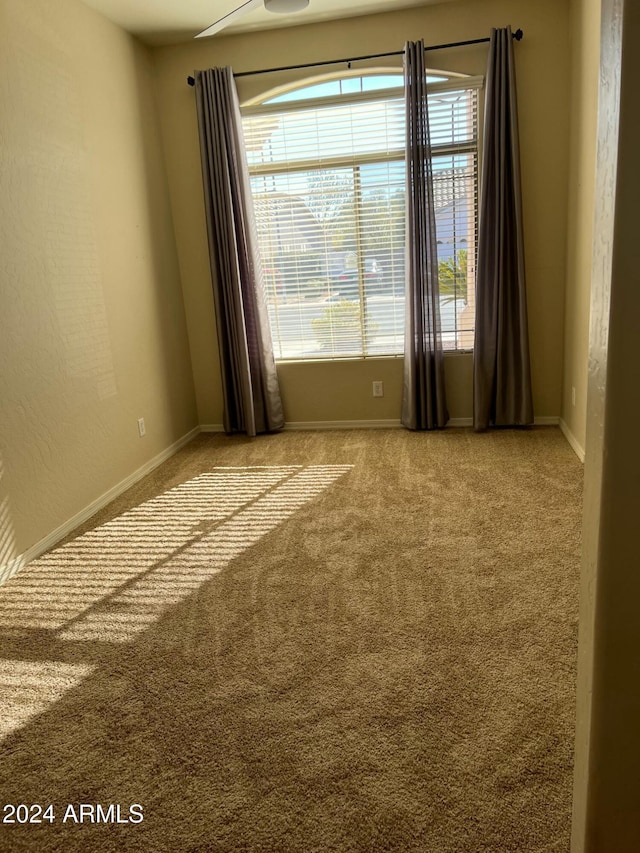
(518, 35)
(191, 81)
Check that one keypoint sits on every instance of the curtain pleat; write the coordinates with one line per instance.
(251, 392)
(501, 370)
(423, 400)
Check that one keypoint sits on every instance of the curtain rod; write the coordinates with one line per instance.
(517, 35)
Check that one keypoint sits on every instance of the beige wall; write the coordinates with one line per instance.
(343, 392)
(92, 329)
(585, 53)
(607, 793)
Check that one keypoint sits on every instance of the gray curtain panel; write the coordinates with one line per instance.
(252, 401)
(423, 397)
(501, 371)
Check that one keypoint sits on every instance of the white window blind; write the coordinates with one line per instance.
(327, 176)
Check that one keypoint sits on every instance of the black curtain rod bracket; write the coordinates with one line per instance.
(517, 35)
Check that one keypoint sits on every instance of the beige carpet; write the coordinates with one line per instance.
(339, 641)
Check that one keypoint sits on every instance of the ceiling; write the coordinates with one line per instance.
(169, 21)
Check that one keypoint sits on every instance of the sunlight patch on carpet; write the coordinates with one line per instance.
(110, 584)
(29, 687)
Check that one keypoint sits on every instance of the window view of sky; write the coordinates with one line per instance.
(345, 85)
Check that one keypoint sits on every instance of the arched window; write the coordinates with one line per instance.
(327, 165)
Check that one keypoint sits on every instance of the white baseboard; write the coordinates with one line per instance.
(578, 449)
(307, 425)
(545, 420)
(9, 569)
(13, 566)
(552, 420)
(391, 423)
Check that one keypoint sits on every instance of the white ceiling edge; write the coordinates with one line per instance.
(162, 22)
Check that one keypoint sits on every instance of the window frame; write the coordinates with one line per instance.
(265, 105)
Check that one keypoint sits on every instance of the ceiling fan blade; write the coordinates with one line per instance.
(229, 18)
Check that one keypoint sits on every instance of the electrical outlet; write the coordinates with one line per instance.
(378, 389)
(141, 427)
(573, 396)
